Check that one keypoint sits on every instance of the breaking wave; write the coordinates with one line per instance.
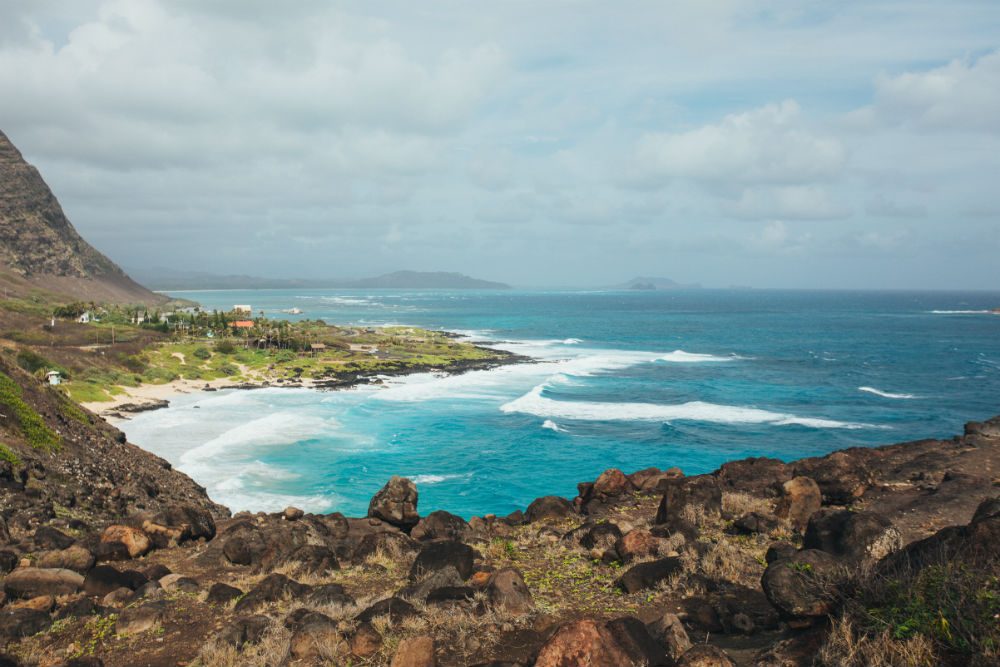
(884, 394)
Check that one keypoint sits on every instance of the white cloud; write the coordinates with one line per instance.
(796, 202)
(770, 145)
(963, 95)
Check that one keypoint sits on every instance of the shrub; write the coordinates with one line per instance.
(135, 363)
(228, 369)
(31, 361)
(7, 454)
(225, 347)
(284, 356)
(36, 431)
(202, 353)
(159, 375)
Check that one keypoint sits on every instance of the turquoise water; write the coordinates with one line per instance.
(624, 379)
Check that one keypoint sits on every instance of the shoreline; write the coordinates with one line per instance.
(148, 397)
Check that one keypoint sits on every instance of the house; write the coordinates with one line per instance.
(317, 347)
(54, 377)
(242, 308)
(242, 324)
(84, 318)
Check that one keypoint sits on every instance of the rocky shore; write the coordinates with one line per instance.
(880, 556)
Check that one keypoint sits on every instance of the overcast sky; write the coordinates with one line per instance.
(563, 142)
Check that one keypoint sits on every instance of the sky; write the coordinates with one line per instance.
(797, 143)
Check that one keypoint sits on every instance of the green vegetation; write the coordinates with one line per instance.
(36, 432)
(7, 454)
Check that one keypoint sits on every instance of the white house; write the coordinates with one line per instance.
(85, 318)
(243, 308)
(54, 377)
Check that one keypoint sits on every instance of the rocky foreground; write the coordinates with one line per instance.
(883, 556)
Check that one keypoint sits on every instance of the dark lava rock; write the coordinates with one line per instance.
(396, 503)
(852, 535)
(48, 537)
(451, 594)
(8, 561)
(648, 575)
(272, 588)
(244, 631)
(754, 522)
(595, 535)
(329, 595)
(802, 586)
(156, 572)
(548, 508)
(221, 593)
(506, 589)
(439, 555)
(397, 609)
(386, 542)
(702, 493)
(705, 655)
(755, 475)
(441, 525)
(314, 559)
(104, 579)
(19, 623)
(779, 550)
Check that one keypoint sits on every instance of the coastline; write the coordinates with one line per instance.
(147, 397)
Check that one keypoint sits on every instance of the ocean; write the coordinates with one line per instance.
(623, 379)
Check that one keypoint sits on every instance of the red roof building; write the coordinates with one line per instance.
(242, 324)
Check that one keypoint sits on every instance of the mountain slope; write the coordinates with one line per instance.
(40, 248)
(426, 280)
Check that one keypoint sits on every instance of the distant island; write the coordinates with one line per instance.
(653, 283)
(170, 279)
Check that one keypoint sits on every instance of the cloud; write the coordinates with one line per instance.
(770, 145)
(808, 202)
(963, 95)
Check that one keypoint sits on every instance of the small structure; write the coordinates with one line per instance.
(242, 308)
(84, 318)
(317, 347)
(54, 377)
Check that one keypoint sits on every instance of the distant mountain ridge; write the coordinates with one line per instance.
(170, 279)
(40, 248)
(655, 283)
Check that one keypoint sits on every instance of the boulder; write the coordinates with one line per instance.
(156, 571)
(841, 476)
(47, 537)
(19, 623)
(272, 588)
(292, 514)
(41, 603)
(180, 583)
(104, 579)
(181, 523)
(244, 631)
(753, 523)
(705, 655)
(443, 578)
(397, 609)
(702, 494)
(396, 544)
(648, 575)
(651, 480)
(396, 503)
(779, 550)
(586, 643)
(802, 586)
(630, 633)
(670, 632)
(611, 482)
(136, 542)
(134, 620)
(110, 552)
(756, 475)
(856, 536)
(439, 555)
(415, 652)
(317, 638)
(29, 582)
(314, 559)
(330, 595)
(366, 641)
(8, 561)
(76, 558)
(506, 589)
(548, 508)
(441, 525)
(635, 544)
(600, 536)
(800, 498)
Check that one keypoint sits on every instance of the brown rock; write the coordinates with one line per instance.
(76, 558)
(507, 590)
(636, 544)
(134, 620)
(584, 643)
(670, 632)
(800, 498)
(396, 503)
(366, 641)
(41, 603)
(318, 638)
(415, 652)
(702, 494)
(135, 540)
(29, 582)
(612, 482)
(803, 585)
(705, 655)
(293, 514)
(548, 508)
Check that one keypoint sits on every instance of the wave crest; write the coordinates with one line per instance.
(885, 394)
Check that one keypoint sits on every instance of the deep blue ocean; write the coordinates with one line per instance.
(624, 379)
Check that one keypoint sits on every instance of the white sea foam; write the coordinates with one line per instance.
(960, 312)
(680, 356)
(427, 480)
(534, 403)
(349, 301)
(278, 428)
(884, 394)
(552, 426)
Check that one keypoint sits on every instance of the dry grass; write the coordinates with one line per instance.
(845, 647)
(738, 504)
(272, 650)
